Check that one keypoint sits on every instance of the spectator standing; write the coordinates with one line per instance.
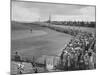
(17, 57)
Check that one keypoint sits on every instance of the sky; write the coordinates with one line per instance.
(25, 11)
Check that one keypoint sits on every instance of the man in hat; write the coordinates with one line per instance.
(17, 57)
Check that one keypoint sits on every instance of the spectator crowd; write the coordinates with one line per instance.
(80, 52)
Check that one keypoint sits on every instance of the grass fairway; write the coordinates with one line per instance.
(42, 41)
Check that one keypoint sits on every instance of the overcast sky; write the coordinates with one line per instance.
(33, 11)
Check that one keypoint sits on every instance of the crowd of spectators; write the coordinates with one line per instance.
(80, 52)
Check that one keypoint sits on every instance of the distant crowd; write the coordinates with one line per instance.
(74, 23)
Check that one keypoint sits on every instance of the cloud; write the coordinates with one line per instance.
(32, 11)
(24, 14)
(82, 14)
(88, 11)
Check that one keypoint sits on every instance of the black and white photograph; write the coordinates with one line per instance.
(52, 37)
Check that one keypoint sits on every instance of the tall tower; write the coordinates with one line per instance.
(49, 18)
